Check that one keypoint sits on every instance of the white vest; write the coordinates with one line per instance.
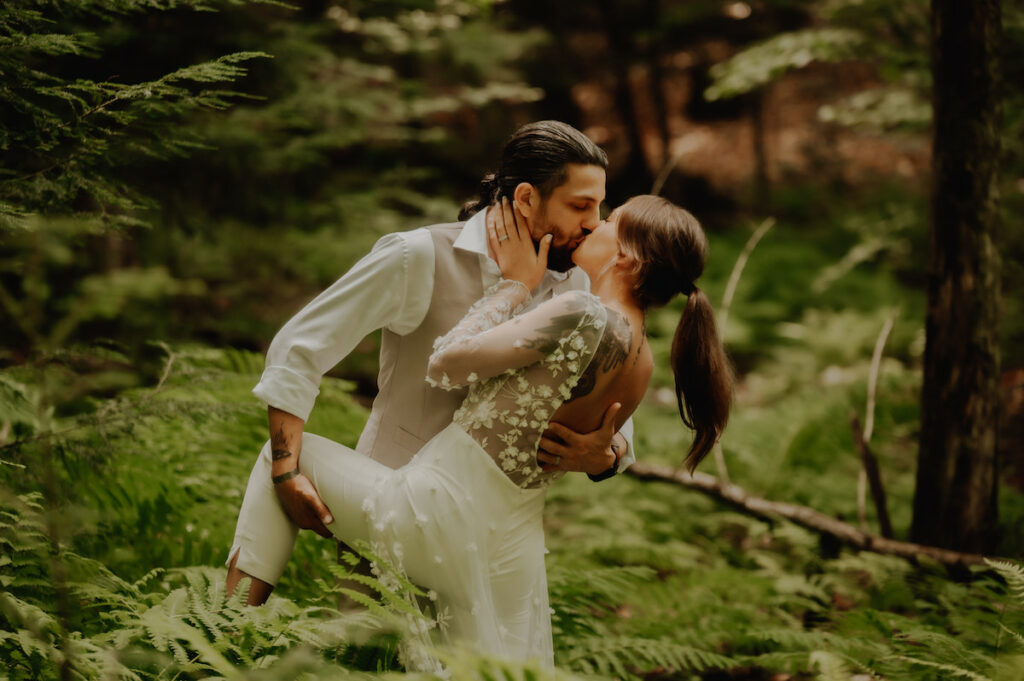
(407, 411)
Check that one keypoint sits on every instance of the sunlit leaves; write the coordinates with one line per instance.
(767, 61)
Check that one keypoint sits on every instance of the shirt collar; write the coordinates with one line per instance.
(474, 235)
(474, 239)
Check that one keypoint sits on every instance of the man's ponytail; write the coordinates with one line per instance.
(488, 194)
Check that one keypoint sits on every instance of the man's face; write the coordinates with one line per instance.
(569, 213)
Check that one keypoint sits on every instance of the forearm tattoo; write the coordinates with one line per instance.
(280, 447)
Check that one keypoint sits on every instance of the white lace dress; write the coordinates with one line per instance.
(463, 518)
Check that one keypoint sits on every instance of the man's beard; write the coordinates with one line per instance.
(560, 258)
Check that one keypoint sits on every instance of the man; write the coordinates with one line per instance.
(416, 286)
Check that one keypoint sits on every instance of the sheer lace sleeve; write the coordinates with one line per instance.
(490, 339)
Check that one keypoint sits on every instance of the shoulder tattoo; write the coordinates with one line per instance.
(612, 351)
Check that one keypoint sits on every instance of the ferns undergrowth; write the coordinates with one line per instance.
(113, 570)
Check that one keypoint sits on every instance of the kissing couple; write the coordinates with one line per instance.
(513, 352)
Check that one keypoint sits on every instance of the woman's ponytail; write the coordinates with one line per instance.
(703, 375)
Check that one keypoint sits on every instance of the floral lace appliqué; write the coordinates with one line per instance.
(530, 365)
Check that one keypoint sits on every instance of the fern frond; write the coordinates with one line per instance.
(947, 669)
(1012, 573)
(628, 657)
(1016, 636)
(831, 667)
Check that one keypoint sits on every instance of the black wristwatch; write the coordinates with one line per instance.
(611, 471)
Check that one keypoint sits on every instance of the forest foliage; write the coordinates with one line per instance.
(165, 203)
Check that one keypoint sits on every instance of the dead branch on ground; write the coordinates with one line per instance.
(847, 534)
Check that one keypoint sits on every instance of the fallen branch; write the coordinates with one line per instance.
(738, 498)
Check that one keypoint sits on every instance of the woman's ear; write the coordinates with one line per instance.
(527, 198)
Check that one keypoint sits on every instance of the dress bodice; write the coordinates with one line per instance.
(520, 368)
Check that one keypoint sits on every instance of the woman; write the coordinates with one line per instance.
(464, 517)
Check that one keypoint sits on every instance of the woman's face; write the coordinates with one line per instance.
(601, 247)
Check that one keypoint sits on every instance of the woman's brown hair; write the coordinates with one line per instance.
(669, 249)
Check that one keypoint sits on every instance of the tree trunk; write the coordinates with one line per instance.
(957, 470)
(656, 81)
(762, 185)
(634, 177)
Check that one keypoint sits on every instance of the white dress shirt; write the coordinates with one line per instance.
(391, 287)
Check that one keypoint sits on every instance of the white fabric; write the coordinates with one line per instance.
(388, 288)
(391, 287)
(456, 519)
(521, 371)
(462, 529)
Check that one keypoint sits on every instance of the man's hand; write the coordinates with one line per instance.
(579, 452)
(303, 504)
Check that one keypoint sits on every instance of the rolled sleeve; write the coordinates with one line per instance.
(287, 390)
(390, 287)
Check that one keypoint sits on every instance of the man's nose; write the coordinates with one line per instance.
(591, 222)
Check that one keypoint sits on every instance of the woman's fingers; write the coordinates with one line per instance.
(508, 229)
(516, 225)
(492, 218)
(520, 219)
(492, 235)
(542, 251)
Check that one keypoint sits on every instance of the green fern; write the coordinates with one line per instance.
(1013, 574)
(630, 658)
(948, 670)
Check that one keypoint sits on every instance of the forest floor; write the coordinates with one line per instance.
(647, 580)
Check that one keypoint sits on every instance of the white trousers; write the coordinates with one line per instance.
(450, 519)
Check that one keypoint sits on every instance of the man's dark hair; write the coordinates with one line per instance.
(538, 154)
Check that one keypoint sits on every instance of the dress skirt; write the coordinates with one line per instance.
(449, 519)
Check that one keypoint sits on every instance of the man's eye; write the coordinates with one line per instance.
(578, 206)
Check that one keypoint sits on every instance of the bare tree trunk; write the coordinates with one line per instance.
(635, 176)
(957, 472)
(762, 185)
(656, 82)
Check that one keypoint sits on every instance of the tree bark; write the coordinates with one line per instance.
(957, 474)
(762, 185)
(635, 176)
(656, 81)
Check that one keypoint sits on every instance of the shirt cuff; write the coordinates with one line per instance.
(284, 389)
(627, 460)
